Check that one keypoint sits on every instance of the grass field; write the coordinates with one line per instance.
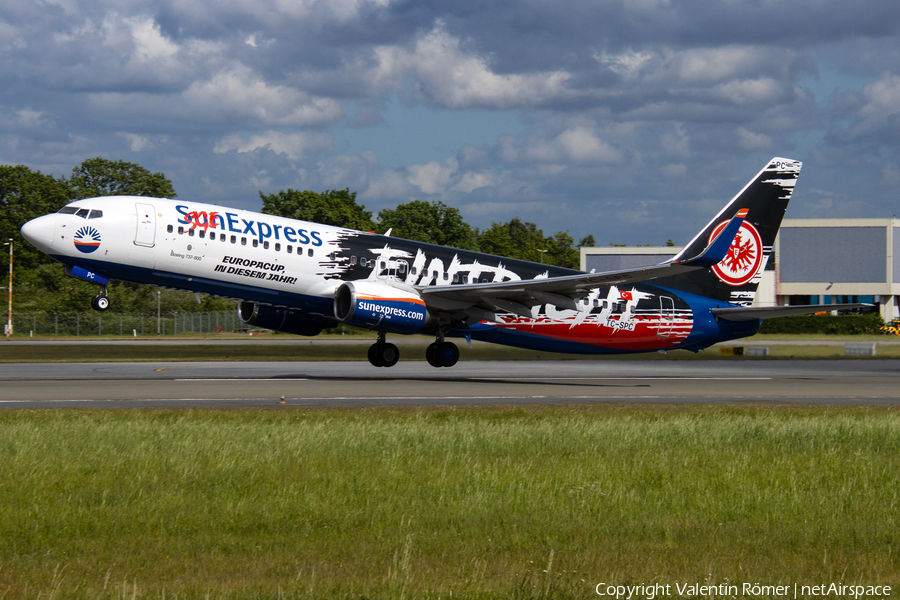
(540, 502)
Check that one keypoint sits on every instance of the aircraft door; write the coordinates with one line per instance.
(145, 235)
(666, 317)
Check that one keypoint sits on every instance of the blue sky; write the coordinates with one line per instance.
(631, 120)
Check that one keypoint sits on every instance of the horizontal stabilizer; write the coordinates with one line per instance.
(752, 313)
(718, 248)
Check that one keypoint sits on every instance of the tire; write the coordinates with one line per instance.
(100, 303)
(448, 354)
(375, 356)
(431, 355)
(388, 355)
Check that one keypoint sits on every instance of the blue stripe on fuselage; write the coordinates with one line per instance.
(203, 285)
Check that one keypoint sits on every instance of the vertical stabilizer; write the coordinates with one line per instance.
(735, 279)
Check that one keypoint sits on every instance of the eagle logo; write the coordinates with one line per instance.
(744, 257)
(87, 239)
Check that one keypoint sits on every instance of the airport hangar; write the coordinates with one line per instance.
(827, 261)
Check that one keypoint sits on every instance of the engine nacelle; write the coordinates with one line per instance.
(374, 305)
(281, 319)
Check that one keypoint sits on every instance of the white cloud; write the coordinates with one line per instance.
(454, 78)
(471, 181)
(753, 141)
(433, 177)
(151, 45)
(579, 144)
(137, 142)
(293, 145)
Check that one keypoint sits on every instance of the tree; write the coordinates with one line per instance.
(525, 241)
(332, 207)
(26, 195)
(587, 241)
(433, 223)
(102, 177)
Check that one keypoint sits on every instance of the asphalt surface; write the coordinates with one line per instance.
(414, 383)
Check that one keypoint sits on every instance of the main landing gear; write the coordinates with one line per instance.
(438, 354)
(100, 302)
(383, 353)
(441, 353)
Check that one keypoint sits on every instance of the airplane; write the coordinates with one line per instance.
(299, 277)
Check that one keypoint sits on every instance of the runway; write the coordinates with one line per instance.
(414, 383)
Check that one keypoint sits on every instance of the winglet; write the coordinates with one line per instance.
(715, 252)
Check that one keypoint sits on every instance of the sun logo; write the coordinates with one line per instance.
(744, 257)
(87, 239)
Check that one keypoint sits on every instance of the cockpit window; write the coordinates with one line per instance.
(96, 214)
(83, 213)
(68, 210)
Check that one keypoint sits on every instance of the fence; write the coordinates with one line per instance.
(132, 325)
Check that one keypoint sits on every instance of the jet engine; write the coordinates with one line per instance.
(375, 305)
(281, 319)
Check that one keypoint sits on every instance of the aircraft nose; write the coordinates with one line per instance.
(39, 232)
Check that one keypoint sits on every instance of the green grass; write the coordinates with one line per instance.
(540, 502)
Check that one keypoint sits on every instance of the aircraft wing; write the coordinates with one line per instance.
(480, 299)
(752, 313)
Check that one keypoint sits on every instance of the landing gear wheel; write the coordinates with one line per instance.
(448, 353)
(442, 354)
(431, 355)
(373, 356)
(100, 303)
(388, 354)
(383, 355)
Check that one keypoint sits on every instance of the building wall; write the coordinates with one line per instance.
(615, 262)
(895, 256)
(833, 254)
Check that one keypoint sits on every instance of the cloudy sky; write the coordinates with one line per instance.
(632, 120)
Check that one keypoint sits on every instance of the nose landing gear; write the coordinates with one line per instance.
(100, 302)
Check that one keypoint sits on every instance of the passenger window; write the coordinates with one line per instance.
(414, 270)
(83, 213)
(221, 237)
(446, 277)
(190, 232)
(277, 246)
(180, 230)
(290, 249)
(255, 243)
(96, 214)
(266, 245)
(170, 229)
(456, 278)
(234, 239)
(243, 241)
(362, 261)
(309, 253)
(202, 234)
(402, 268)
(352, 260)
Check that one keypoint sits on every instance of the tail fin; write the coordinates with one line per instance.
(735, 279)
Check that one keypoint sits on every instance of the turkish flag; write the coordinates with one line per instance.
(626, 296)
